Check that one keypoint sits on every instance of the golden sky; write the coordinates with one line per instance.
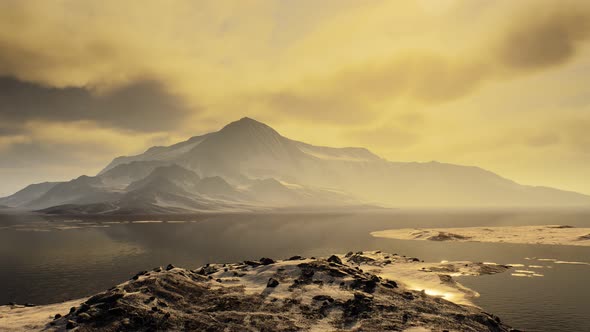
(504, 85)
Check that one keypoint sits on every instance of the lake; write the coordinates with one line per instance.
(46, 260)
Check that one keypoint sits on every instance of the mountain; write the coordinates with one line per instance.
(247, 166)
(82, 190)
(158, 153)
(124, 174)
(173, 177)
(29, 193)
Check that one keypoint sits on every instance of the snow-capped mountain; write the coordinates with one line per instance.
(247, 165)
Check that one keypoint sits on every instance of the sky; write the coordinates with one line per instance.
(504, 85)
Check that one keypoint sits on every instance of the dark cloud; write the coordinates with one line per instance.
(545, 36)
(9, 129)
(143, 106)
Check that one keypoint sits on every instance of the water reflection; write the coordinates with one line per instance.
(74, 258)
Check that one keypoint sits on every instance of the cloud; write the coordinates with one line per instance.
(81, 142)
(143, 106)
(398, 137)
(575, 130)
(538, 35)
(546, 35)
(346, 71)
(345, 61)
(543, 140)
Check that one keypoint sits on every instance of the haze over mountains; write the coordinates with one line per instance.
(248, 166)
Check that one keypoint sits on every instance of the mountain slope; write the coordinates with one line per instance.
(172, 177)
(82, 190)
(158, 153)
(29, 193)
(124, 174)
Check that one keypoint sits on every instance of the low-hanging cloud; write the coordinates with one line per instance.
(143, 106)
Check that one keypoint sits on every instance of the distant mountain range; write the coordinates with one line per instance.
(248, 166)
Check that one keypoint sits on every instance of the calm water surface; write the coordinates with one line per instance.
(42, 264)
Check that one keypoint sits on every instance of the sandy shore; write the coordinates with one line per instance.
(545, 234)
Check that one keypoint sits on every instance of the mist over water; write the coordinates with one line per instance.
(41, 264)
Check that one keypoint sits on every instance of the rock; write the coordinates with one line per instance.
(57, 316)
(72, 309)
(70, 324)
(83, 308)
(335, 259)
(252, 263)
(103, 298)
(28, 305)
(307, 273)
(365, 285)
(408, 295)
(83, 317)
(348, 254)
(116, 311)
(207, 270)
(272, 282)
(142, 273)
(405, 318)
(169, 267)
(360, 259)
(266, 261)
(295, 258)
(358, 307)
(323, 298)
(390, 284)
(445, 278)
(12, 303)
(184, 300)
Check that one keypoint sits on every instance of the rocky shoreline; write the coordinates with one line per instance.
(369, 291)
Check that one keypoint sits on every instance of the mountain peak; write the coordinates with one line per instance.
(247, 119)
(248, 128)
(246, 122)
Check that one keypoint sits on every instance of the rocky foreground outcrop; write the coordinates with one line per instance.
(339, 293)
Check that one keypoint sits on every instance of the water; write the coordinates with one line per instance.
(41, 264)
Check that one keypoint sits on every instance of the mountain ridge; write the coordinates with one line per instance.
(249, 165)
